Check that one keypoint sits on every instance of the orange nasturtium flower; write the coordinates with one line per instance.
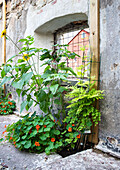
(44, 126)
(4, 132)
(37, 144)
(14, 142)
(11, 138)
(52, 139)
(3, 33)
(69, 129)
(37, 127)
(26, 57)
(73, 124)
(5, 126)
(78, 136)
(4, 111)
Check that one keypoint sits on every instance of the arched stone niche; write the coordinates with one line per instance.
(43, 22)
(59, 22)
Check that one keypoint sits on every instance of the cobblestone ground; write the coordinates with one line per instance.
(86, 160)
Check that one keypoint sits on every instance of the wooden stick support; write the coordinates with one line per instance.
(4, 39)
(94, 49)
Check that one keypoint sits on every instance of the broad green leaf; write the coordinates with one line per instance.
(5, 80)
(23, 104)
(18, 139)
(43, 137)
(27, 76)
(29, 104)
(42, 96)
(28, 144)
(56, 132)
(20, 61)
(45, 55)
(18, 92)
(38, 147)
(3, 73)
(1, 139)
(51, 116)
(23, 137)
(75, 134)
(40, 130)
(51, 124)
(58, 144)
(22, 40)
(61, 89)
(18, 84)
(46, 129)
(53, 88)
(57, 101)
(33, 133)
(44, 105)
(71, 70)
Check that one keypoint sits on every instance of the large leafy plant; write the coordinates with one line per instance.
(38, 89)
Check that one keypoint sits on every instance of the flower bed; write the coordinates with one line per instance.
(63, 129)
(7, 106)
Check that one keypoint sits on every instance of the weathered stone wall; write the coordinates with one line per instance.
(110, 67)
(41, 18)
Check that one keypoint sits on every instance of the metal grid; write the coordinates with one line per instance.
(76, 35)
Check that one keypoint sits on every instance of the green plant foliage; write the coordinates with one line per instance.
(1, 91)
(26, 78)
(35, 134)
(7, 106)
(43, 133)
(81, 104)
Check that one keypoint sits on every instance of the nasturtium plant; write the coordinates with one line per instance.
(7, 106)
(35, 133)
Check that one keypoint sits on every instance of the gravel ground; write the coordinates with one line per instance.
(86, 160)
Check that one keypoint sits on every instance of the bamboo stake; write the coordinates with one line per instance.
(4, 38)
